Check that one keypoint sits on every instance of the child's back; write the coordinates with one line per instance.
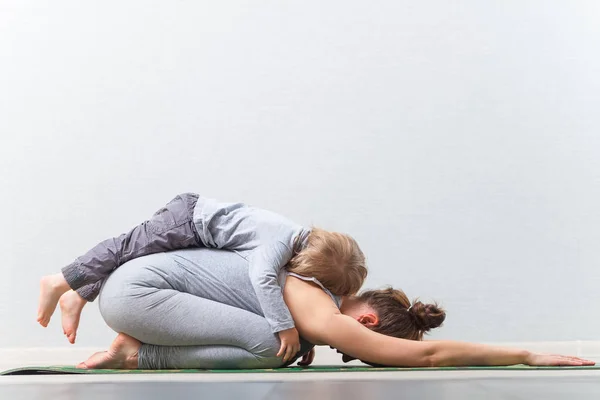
(264, 237)
(242, 228)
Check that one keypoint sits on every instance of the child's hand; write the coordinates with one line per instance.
(290, 344)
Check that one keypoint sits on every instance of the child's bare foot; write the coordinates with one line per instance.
(122, 354)
(71, 305)
(51, 288)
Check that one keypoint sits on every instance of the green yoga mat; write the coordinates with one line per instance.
(65, 370)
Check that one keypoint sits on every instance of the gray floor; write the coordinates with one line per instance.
(486, 388)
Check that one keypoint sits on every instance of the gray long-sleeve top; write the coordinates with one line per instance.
(264, 238)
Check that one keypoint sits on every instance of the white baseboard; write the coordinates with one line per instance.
(21, 357)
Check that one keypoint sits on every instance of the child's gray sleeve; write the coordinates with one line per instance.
(265, 264)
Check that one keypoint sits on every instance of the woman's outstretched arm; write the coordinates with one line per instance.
(319, 321)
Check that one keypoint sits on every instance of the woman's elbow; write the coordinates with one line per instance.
(431, 361)
(431, 357)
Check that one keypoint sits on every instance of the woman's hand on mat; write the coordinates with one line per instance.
(556, 360)
(307, 359)
(290, 344)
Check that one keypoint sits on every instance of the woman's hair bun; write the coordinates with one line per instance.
(427, 316)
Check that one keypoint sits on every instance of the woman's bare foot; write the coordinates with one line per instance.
(71, 305)
(51, 288)
(122, 354)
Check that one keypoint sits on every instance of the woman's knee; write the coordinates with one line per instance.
(114, 303)
(122, 295)
(266, 350)
(270, 362)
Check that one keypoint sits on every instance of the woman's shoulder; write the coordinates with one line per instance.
(311, 308)
(336, 299)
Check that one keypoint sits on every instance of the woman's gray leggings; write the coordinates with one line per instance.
(191, 308)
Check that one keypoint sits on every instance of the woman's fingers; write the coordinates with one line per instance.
(583, 361)
(307, 359)
(558, 360)
(570, 360)
(579, 361)
(311, 356)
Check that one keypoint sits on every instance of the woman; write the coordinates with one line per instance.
(203, 313)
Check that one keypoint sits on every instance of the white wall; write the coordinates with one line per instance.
(458, 141)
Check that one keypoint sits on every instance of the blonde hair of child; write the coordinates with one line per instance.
(333, 258)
